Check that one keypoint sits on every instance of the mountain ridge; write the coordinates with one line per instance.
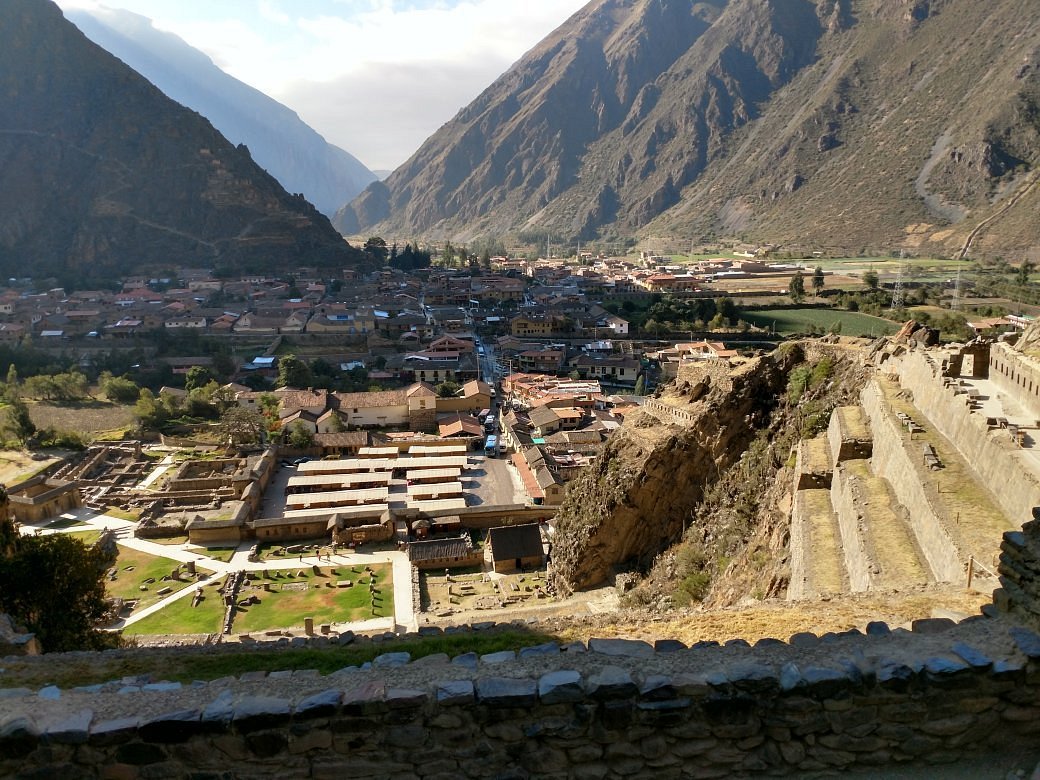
(290, 150)
(101, 174)
(771, 120)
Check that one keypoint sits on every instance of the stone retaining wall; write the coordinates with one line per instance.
(908, 479)
(616, 708)
(1020, 572)
(845, 498)
(993, 456)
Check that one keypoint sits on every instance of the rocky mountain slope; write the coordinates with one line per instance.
(847, 125)
(699, 476)
(277, 138)
(101, 174)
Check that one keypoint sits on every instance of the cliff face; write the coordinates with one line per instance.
(102, 174)
(776, 119)
(644, 490)
(277, 138)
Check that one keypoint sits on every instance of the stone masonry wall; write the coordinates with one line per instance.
(613, 709)
(908, 479)
(845, 498)
(991, 453)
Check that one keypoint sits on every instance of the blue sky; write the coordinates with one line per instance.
(376, 77)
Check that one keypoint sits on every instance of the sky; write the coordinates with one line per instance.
(375, 77)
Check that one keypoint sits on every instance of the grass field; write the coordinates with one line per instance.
(18, 465)
(794, 321)
(180, 617)
(87, 537)
(216, 553)
(128, 583)
(288, 603)
(90, 419)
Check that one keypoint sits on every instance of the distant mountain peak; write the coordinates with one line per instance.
(278, 139)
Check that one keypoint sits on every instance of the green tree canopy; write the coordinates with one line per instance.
(54, 585)
(119, 389)
(796, 288)
(870, 278)
(300, 436)
(293, 372)
(197, 376)
(448, 389)
(817, 280)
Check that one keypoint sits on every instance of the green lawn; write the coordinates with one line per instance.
(286, 605)
(792, 321)
(65, 522)
(180, 617)
(216, 553)
(87, 537)
(271, 551)
(128, 583)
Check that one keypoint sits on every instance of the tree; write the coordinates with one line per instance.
(300, 436)
(817, 281)
(197, 376)
(293, 372)
(376, 250)
(17, 422)
(119, 389)
(641, 385)
(796, 289)
(151, 413)
(1024, 271)
(870, 278)
(54, 585)
(239, 425)
(11, 388)
(448, 389)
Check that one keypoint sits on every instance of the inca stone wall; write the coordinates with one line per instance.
(612, 709)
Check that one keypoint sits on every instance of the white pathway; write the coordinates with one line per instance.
(404, 610)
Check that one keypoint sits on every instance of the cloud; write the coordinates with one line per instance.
(376, 77)
(383, 112)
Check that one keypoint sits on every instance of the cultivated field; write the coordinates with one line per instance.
(91, 419)
(792, 321)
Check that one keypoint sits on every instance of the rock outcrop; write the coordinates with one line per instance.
(639, 496)
(101, 174)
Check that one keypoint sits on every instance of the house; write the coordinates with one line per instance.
(517, 547)
(460, 426)
(451, 553)
(616, 370)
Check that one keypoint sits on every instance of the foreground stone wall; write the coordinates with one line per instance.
(616, 708)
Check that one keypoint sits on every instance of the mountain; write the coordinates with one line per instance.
(277, 138)
(848, 125)
(102, 174)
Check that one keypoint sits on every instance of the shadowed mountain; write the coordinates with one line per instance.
(277, 138)
(102, 174)
(838, 124)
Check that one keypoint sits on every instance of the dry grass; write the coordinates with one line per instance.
(17, 465)
(824, 556)
(90, 419)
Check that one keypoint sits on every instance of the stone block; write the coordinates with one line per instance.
(669, 646)
(387, 660)
(560, 687)
(610, 682)
(252, 713)
(548, 648)
(454, 692)
(466, 660)
(657, 687)
(140, 753)
(318, 705)
(631, 648)
(501, 657)
(171, 727)
(804, 639)
(314, 739)
(431, 660)
(506, 692)
(405, 698)
(67, 729)
(112, 731)
(1027, 642)
(878, 628)
(365, 699)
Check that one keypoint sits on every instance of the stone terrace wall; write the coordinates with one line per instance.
(991, 453)
(615, 709)
(907, 478)
(1016, 374)
(1020, 572)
